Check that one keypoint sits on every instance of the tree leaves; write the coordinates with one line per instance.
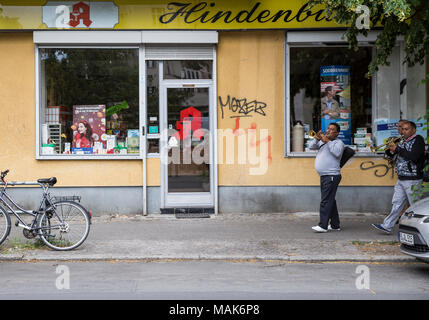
(407, 19)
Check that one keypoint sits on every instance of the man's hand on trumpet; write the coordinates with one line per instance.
(325, 137)
(392, 148)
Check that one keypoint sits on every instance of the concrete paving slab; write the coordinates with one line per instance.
(222, 237)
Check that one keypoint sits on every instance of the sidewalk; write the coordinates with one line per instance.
(281, 236)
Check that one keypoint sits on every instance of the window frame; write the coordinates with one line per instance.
(140, 40)
(163, 82)
(306, 39)
(39, 155)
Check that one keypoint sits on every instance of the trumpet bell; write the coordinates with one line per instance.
(314, 134)
(389, 141)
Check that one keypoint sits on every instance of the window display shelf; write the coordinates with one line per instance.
(54, 133)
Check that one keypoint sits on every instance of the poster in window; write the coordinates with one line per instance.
(89, 125)
(335, 99)
(387, 128)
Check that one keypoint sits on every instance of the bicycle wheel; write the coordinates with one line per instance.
(4, 224)
(64, 226)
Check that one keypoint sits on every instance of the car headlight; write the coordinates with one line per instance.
(426, 220)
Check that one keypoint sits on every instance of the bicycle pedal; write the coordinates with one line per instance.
(16, 223)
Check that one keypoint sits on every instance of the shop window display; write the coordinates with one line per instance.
(329, 84)
(89, 101)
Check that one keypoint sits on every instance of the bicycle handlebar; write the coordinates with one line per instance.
(4, 173)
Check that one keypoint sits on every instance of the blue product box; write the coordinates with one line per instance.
(81, 150)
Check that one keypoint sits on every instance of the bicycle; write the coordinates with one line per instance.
(60, 224)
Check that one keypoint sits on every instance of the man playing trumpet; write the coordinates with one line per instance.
(392, 157)
(409, 168)
(327, 164)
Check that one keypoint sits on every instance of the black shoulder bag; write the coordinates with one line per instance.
(347, 154)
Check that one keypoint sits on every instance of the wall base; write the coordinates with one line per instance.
(302, 199)
(129, 200)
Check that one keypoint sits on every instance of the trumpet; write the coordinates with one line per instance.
(314, 134)
(389, 142)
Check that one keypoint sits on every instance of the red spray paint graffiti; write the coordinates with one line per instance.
(253, 142)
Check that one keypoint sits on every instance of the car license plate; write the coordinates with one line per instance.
(406, 238)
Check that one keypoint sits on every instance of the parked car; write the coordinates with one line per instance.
(414, 230)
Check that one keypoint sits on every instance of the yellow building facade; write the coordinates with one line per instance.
(242, 82)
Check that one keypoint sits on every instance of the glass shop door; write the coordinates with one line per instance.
(186, 144)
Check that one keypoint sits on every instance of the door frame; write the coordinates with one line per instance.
(186, 199)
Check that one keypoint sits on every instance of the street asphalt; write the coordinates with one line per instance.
(269, 236)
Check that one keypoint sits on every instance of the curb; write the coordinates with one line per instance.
(12, 257)
(160, 258)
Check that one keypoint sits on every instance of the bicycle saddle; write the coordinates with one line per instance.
(51, 181)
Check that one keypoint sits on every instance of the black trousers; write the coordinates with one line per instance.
(328, 204)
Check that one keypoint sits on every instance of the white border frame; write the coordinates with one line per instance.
(82, 39)
(143, 122)
(123, 37)
(127, 40)
(131, 40)
(214, 133)
(307, 39)
(187, 199)
(37, 97)
(40, 156)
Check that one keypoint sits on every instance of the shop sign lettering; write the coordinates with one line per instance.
(80, 14)
(206, 12)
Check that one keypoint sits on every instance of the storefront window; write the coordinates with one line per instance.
(329, 84)
(191, 69)
(89, 101)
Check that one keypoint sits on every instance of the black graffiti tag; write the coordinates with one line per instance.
(367, 165)
(242, 107)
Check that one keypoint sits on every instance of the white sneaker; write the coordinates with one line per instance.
(319, 229)
(330, 228)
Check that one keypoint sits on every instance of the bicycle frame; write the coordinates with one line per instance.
(45, 202)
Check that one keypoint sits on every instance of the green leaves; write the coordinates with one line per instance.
(407, 19)
(116, 108)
